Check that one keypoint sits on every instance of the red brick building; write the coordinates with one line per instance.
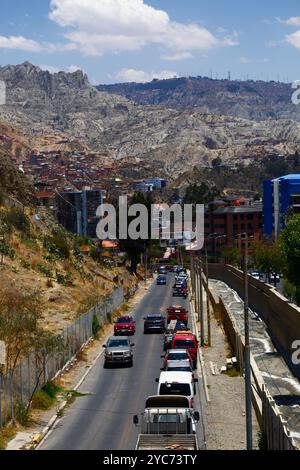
(226, 219)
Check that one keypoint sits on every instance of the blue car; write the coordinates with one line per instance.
(161, 281)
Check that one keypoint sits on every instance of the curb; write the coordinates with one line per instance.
(55, 419)
(200, 354)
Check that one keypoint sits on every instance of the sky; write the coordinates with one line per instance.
(138, 40)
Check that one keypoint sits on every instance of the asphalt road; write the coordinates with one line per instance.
(102, 420)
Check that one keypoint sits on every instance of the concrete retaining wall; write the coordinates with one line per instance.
(281, 317)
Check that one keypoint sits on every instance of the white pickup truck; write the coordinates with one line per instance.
(168, 423)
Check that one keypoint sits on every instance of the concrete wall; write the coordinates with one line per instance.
(281, 317)
(268, 414)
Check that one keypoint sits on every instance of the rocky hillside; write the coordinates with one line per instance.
(42, 104)
(243, 99)
(13, 181)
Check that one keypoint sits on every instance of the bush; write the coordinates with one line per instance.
(65, 279)
(95, 325)
(52, 389)
(41, 401)
(24, 264)
(44, 270)
(57, 244)
(7, 250)
(22, 414)
(19, 220)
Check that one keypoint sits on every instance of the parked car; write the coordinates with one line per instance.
(154, 324)
(163, 270)
(124, 326)
(118, 351)
(177, 355)
(180, 292)
(186, 340)
(172, 328)
(256, 275)
(161, 280)
(177, 313)
(177, 383)
(179, 366)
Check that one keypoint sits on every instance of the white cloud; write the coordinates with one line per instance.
(294, 39)
(245, 61)
(178, 56)
(49, 68)
(98, 27)
(74, 68)
(140, 76)
(20, 43)
(293, 21)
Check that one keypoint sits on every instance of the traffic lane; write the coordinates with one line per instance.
(103, 419)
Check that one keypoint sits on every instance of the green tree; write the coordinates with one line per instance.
(232, 255)
(200, 193)
(290, 238)
(134, 248)
(268, 258)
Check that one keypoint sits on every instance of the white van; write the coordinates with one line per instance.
(177, 383)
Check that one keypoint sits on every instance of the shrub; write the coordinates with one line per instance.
(19, 220)
(7, 250)
(22, 414)
(41, 401)
(65, 279)
(57, 244)
(24, 264)
(52, 389)
(95, 325)
(44, 270)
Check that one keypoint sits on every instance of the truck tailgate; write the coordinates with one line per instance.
(160, 442)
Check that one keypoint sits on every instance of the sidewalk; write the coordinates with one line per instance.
(225, 413)
(31, 436)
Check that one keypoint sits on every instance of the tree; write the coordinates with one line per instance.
(200, 194)
(268, 258)
(134, 248)
(232, 256)
(290, 238)
(22, 333)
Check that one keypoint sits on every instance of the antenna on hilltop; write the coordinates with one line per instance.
(229, 75)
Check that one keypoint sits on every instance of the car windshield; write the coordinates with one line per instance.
(124, 320)
(154, 318)
(175, 389)
(115, 343)
(166, 418)
(177, 356)
(179, 368)
(184, 343)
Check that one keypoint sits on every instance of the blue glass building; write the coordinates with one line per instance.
(281, 197)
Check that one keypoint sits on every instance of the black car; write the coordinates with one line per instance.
(161, 280)
(154, 324)
(180, 292)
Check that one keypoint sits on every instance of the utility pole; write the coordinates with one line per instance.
(248, 385)
(207, 301)
(201, 303)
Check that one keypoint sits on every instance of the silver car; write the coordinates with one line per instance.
(118, 350)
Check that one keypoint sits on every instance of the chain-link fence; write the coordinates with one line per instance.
(36, 370)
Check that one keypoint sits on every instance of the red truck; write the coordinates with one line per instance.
(177, 313)
(186, 340)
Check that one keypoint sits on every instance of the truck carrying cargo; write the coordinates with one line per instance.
(167, 423)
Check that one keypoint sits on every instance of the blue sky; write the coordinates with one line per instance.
(137, 40)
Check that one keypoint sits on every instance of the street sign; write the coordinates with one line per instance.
(2, 353)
